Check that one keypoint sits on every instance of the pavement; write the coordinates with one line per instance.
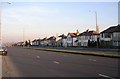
(22, 62)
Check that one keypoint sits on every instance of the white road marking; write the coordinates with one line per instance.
(56, 62)
(64, 55)
(38, 56)
(105, 76)
(92, 60)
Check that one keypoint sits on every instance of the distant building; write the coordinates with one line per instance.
(44, 42)
(62, 41)
(111, 36)
(51, 41)
(59, 42)
(20, 43)
(36, 42)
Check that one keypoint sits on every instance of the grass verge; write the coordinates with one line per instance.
(78, 52)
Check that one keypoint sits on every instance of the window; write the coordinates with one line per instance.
(102, 35)
(108, 35)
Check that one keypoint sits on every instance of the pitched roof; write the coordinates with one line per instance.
(34, 40)
(52, 38)
(44, 39)
(112, 29)
(94, 33)
(63, 36)
(89, 33)
(38, 39)
(72, 34)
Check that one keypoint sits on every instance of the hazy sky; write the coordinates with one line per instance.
(44, 19)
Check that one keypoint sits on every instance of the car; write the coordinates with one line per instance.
(3, 50)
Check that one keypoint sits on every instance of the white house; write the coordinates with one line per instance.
(62, 41)
(111, 36)
(36, 42)
(116, 38)
(51, 41)
(71, 39)
(20, 43)
(87, 36)
(44, 42)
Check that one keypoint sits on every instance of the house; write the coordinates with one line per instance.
(62, 41)
(51, 41)
(44, 42)
(20, 44)
(36, 42)
(72, 39)
(87, 38)
(59, 43)
(111, 36)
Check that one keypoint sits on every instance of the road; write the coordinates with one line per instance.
(34, 63)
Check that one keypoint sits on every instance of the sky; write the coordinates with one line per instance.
(32, 20)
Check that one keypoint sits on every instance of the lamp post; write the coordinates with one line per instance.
(23, 36)
(97, 28)
(1, 20)
(0, 23)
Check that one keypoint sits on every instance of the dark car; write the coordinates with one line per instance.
(3, 50)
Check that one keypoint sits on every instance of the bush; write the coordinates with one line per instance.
(92, 43)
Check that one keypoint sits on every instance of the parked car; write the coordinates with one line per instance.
(3, 50)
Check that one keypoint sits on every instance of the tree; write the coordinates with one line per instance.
(26, 43)
(89, 44)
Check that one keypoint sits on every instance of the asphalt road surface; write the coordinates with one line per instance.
(35, 63)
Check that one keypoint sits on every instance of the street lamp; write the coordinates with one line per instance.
(97, 27)
(1, 20)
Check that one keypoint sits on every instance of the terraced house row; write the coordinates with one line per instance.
(109, 38)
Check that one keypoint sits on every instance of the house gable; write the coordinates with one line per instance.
(112, 29)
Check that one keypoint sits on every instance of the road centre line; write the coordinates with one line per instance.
(92, 60)
(56, 62)
(38, 56)
(64, 55)
(106, 76)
